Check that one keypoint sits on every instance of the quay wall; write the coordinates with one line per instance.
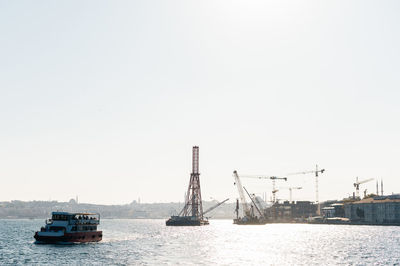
(374, 211)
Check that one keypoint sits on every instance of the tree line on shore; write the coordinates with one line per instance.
(42, 209)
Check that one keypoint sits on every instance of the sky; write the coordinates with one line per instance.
(104, 99)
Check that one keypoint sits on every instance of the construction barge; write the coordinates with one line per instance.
(185, 221)
(249, 221)
(192, 213)
(249, 216)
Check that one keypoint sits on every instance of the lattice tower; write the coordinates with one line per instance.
(193, 204)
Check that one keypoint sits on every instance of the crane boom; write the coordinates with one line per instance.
(215, 206)
(273, 178)
(316, 172)
(365, 181)
(255, 205)
(308, 172)
(358, 183)
(238, 183)
(264, 177)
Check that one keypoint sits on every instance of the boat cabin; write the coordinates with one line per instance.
(72, 222)
(76, 218)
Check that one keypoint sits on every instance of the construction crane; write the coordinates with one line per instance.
(273, 178)
(358, 183)
(316, 172)
(255, 205)
(245, 206)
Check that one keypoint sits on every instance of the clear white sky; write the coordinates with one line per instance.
(105, 99)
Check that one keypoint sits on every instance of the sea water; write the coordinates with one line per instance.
(150, 242)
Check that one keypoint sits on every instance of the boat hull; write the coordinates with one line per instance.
(78, 237)
(183, 221)
(249, 222)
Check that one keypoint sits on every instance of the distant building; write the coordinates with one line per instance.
(333, 210)
(72, 201)
(328, 212)
(375, 210)
(289, 212)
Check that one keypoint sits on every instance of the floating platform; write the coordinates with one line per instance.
(185, 221)
(249, 221)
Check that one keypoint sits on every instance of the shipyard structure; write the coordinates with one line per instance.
(287, 212)
(374, 210)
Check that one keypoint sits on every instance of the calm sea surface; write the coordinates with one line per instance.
(150, 242)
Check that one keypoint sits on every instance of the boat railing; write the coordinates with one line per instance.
(83, 221)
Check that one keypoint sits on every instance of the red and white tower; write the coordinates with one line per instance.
(193, 204)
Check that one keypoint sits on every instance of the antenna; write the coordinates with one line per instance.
(381, 187)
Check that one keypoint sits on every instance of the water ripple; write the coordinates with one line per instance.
(150, 242)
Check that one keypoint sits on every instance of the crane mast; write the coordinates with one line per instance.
(358, 183)
(316, 172)
(274, 190)
(238, 183)
(273, 178)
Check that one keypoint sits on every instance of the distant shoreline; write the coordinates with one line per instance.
(42, 209)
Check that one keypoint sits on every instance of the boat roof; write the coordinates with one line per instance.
(75, 213)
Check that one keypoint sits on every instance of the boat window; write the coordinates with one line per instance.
(59, 217)
(56, 228)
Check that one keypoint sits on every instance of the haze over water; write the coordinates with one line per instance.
(109, 97)
(150, 242)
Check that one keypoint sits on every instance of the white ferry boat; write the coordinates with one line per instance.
(65, 227)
